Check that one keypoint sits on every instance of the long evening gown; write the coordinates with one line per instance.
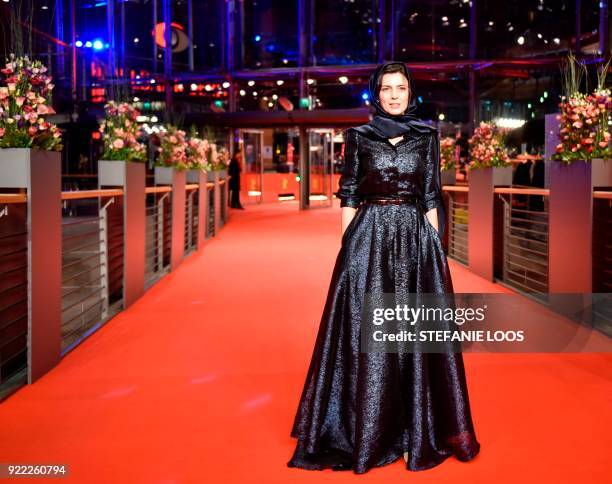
(362, 410)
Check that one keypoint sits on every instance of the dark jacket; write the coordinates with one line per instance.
(375, 168)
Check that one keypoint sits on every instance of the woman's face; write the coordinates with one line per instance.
(394, 93)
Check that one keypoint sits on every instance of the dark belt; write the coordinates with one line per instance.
(392, 200)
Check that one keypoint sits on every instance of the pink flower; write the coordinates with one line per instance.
(118, 144)
(603, 144)
(1, 132)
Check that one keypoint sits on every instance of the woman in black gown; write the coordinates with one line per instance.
(362, 410)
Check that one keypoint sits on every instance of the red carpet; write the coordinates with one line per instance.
(199, 380)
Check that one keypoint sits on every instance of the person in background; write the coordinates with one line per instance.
(234, 169)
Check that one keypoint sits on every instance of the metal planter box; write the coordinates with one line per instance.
(448, 177)
(163, 175)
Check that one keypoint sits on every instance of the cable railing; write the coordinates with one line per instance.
(157, 234)
(457, 223)
(210, 225)
(96, 264)
(13, 292)
(191, 217)
(525, 239)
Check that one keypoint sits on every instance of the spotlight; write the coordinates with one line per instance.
(242, 92)
(226, 85)
(78, 43)
(365, 96)
(279, 82)
(343, 79)
(310, 81)
(98, 45)
(521, 40)
(251, 83)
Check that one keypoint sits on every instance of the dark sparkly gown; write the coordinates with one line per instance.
(362, 410)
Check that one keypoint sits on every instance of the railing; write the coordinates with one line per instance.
(191, 217)
(458, 222)
(523, 250)
(13, 293)
(157, 233)
(210, 226)
(92, 262)
(602, 241)
(525, 239)
(93, 254)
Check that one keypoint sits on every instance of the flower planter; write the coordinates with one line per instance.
(222, 174)
(164, 175)
(210, 176)
(16, 165)
(601, 173)
(193, 176)
(448, 177)
(502, 176)
(114, 173)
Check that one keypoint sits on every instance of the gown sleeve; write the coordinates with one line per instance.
(348, 183)
(433, 196)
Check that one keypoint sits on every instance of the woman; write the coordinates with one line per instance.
(362, 410)
(234, 182)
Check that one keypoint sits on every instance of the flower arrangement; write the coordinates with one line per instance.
(585, 120)
(197, 152)
(172, 151)
(447, 153)
(222, 159)
(487, 147)
(120, 132)
(24, 99)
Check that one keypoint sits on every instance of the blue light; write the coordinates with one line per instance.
(365, 96)
(257, 38)
(78, 43)
(98, 44)
(420, 99)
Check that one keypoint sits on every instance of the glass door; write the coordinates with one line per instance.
(251, 142)
(321, 152)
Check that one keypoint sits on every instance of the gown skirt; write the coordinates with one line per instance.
(362, 410)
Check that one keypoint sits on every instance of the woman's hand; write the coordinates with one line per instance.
(432, 216)
(347, 215)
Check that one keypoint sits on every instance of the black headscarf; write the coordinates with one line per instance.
(391, 126)
(388, 125)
